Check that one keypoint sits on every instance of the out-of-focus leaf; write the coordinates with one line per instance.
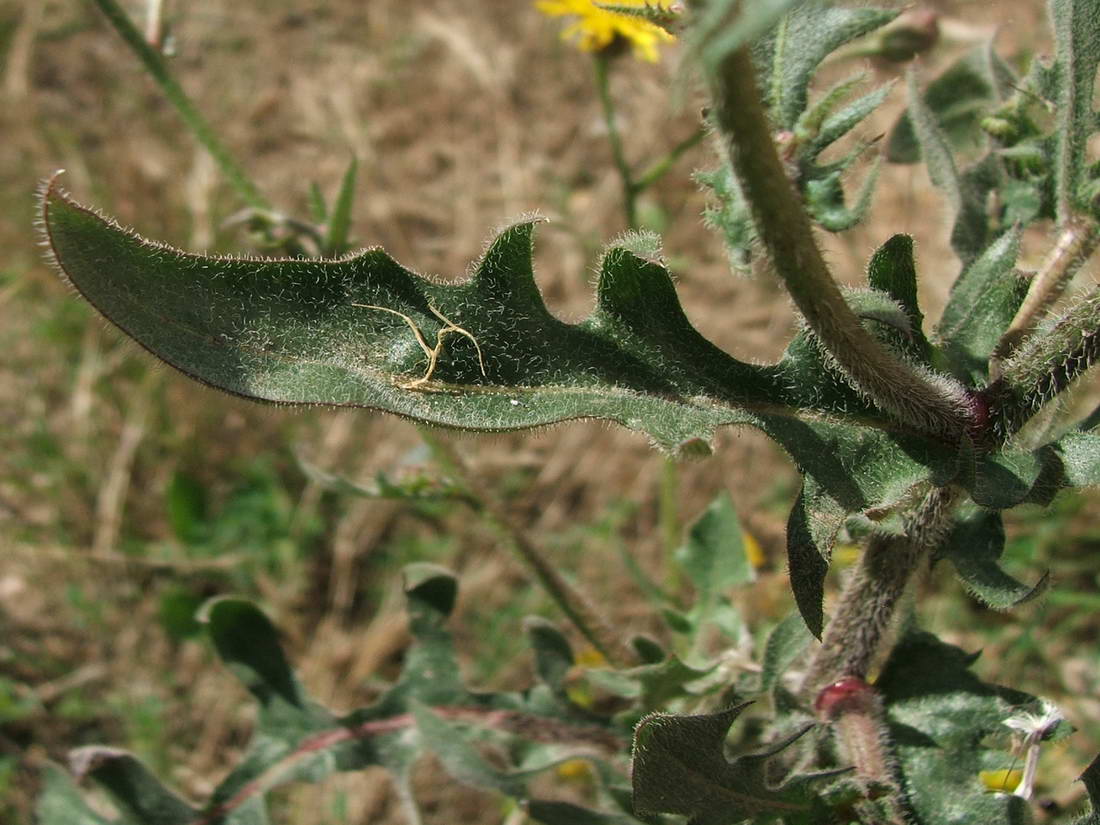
(1073, 75)
(958, 100)
(714, 556)
(785, 645)
(339, 223)
(966, 191)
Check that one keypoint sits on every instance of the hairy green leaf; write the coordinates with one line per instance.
(893, 270)
(941, 717)
(812, 527)
(680, 767)
(482, 355)
(974, 546)
(789, 56)
(983, 302)
(1071, 461)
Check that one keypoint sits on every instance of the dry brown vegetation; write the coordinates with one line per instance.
(463, 115)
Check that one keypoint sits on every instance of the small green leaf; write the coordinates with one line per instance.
(893, 270)
(1005, 479)
(431, 591)
(714, 556)
(786, 645)
(132, 786)
(187, 507)
(840, 123)
(974, 546)
(812, 527)
(1071, 461)
(60, 802)
(957, 100)
(982, 304)
(788, 57)
(248, 643)
(1080, 457)
(680, 767)
(336, 238)
(553, 653)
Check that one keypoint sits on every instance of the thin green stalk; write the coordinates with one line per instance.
(936, 406)
(593, 626)
(626, 175)
(668, 516)
(661, 167)
(157, 67)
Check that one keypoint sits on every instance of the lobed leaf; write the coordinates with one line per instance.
(680, 767)
(358, 332)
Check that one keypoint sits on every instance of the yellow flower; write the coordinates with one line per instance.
(1004, 781)
(596, 28)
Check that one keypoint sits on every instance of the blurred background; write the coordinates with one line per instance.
(129, 494)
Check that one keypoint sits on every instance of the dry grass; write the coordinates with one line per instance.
(463, 115)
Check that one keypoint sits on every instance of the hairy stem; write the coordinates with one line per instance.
(855, 635)
(785, 228)
(580, 611)
(626, 175)
(1044, 366)
(1073, 247)
(157, 67)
